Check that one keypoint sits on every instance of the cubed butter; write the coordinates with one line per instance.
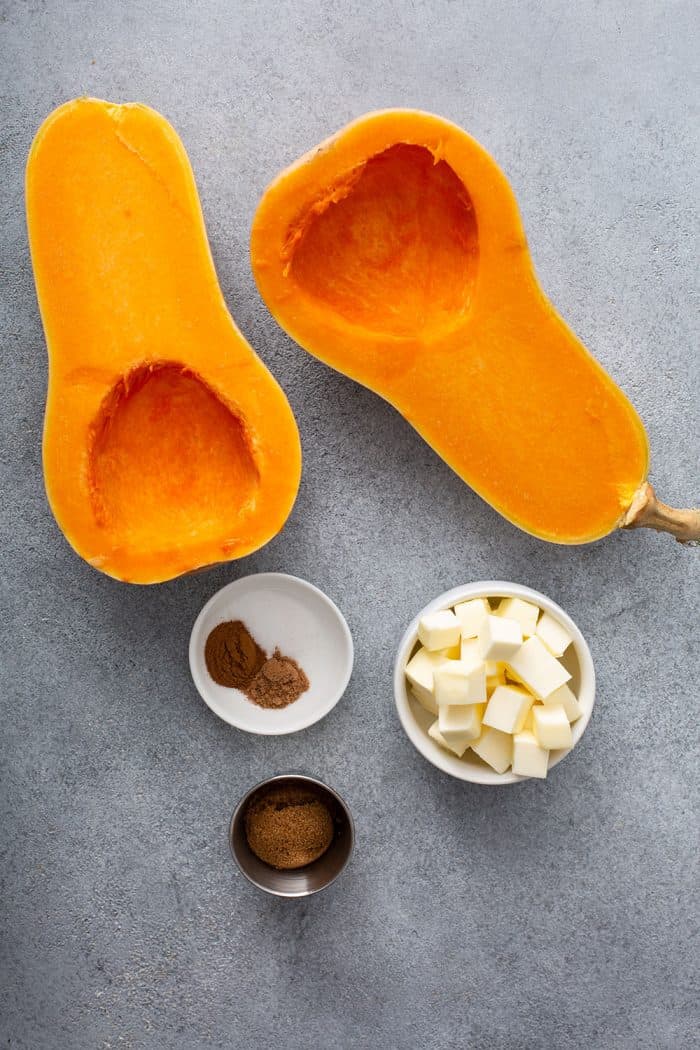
(507, 708)
(495, 748)
(555, 637)
(419, 672)
(460, 721)
(439, 630)
(529, 759)
(564, 696)
(525, 613)
(457, 682)
(499, 638)
(470, 614)
(495, 682)
(551, 726)
(536, 668)
(458, 745)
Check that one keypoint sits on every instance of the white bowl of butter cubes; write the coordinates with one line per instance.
(494, 683)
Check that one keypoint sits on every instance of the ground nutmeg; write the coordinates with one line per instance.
(279, 682)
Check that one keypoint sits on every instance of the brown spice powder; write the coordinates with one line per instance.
(232, 655)
(279, 682)
(234, 659)
(288, 827)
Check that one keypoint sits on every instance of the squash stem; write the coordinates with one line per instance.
(646, 511)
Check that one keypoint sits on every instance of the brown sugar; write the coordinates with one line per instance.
(232, 655)
(288, 827)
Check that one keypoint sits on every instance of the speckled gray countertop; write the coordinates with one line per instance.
(541, 917)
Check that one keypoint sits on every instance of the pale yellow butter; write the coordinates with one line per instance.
(457, 682)
(508, 708)
(556, 638)
(536, 668)
(524, 613)
(499, 638)
(564, 696)
(529, 759)
(461, 721)
(457, 745)
(495, 748)
(470, 615)
(551, 726)
(419, 672)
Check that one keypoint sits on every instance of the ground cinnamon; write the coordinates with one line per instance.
(288, 827)
(235, 659)
(232, 655)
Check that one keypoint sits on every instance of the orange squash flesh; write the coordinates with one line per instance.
(167, 444)
(395, 253)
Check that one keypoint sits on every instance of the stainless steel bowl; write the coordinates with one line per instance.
(300, 882)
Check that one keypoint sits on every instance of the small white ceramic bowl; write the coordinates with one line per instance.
(284, 612)
(416, 720)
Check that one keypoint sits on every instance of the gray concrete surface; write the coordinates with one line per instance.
(544, 917)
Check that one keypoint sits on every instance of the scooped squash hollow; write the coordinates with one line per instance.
(168, 446)
(395, 253)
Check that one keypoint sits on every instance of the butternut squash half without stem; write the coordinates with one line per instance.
(168, 445)
(395, 253)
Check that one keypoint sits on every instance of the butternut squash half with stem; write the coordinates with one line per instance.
(395, 253)
(168, 445)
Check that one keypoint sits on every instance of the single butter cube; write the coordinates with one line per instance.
(457, 682)
(529, 759)
(508, 707)
(458, 745)
(495, 748)
(555, 637)
(470, 614)
(551, 726)
(461, 721)
(419, 672)
(525, 613)
(470, 653)
(568, 701)
(499, 638)
(536, 668)
(439, 630)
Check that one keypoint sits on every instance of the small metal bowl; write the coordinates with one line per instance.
(299, 882)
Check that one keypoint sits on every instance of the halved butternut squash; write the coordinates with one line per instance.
(394, 252)
(167, 444)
